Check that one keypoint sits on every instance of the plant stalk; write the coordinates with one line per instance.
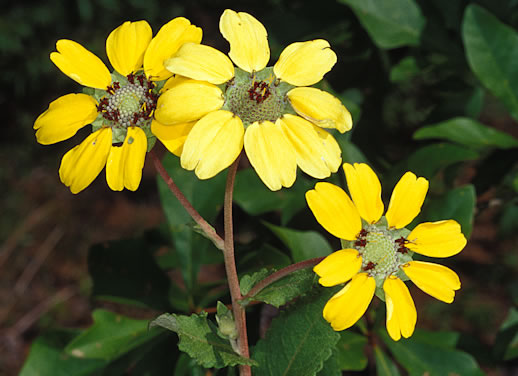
(230, 267)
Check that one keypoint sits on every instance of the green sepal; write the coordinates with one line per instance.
(98, 123)
(226, 326)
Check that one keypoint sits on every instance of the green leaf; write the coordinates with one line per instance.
(298, 342)
(206, 196)
(467, 132)
(47, 357)
(405, 70)
(331, 367)
(458, 204)
(125, 271)
(350, 152)
(390, 24)
(506, 344)
(249, 280)
(492, 51)
(384, 365)
(199, 338)
(303, 245)
(430, 159)
(351, 351)
(110, 336)
(420, 357)
(255, 198)
(264, 256)
(286, 289)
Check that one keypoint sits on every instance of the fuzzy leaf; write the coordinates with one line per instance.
(301, 339)
(199, 338)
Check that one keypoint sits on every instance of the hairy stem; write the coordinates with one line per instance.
(281, 274)
(230, 267)
(204, 225)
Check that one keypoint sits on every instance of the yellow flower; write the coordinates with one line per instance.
(120, 106)
(262, 109)
(377, 251)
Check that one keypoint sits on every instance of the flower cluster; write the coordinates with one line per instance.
(377, 250)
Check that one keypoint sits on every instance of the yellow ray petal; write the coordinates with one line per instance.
(166, 43)
(312, 153)
(271, 155)
(125, 46)
(188, 101)
(172, 136)
(338, 267)
(81, 165)
(115, 169)
(349, 304)
(248, 40)
(173, 81)
(334, 210)
(321, 108)
(305, 63)
(213, 144)
(406, 201)
(64, 117)
(401, 312)
(201, 62)
(434, 279)
(365, 189)
(437, 239)
(80, 64)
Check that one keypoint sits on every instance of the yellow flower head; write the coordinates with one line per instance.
(377, 251)
(251, 105)
(120, 106)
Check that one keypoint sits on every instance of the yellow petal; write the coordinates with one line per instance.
(406, 201)
(81, 165)
(166, 43)
(334, 210)
(213, 144)
(271, 155)
(349, 304)
(434, 279)
(125, 163)
(201, 62)
(401, 312)
(125, 46)
(321, 108)
(172, 136)
(310, 150)
(338, 267)
(173, 81)
(248, 40)
(188, 101)
(64, 117)
(80, 64)
(365, 189)
(437, 239)
(305, 63)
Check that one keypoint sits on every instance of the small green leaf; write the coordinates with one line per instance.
(298, 342)
(286, 289)
(110, 336)
(384, 365)
(467, 132)
(506, 344)
(492, 51)
(47, 357)
(405, 70)
(430, 159)
(458, 204)
(331, 367)
(351, 351)
(303, 245)
(390, 24)
(249, 280)
(199, 338)
(421, 357)
(125, 271)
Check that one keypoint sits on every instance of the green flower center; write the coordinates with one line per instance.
(129, 102)
(257, 97)
(383, 251)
